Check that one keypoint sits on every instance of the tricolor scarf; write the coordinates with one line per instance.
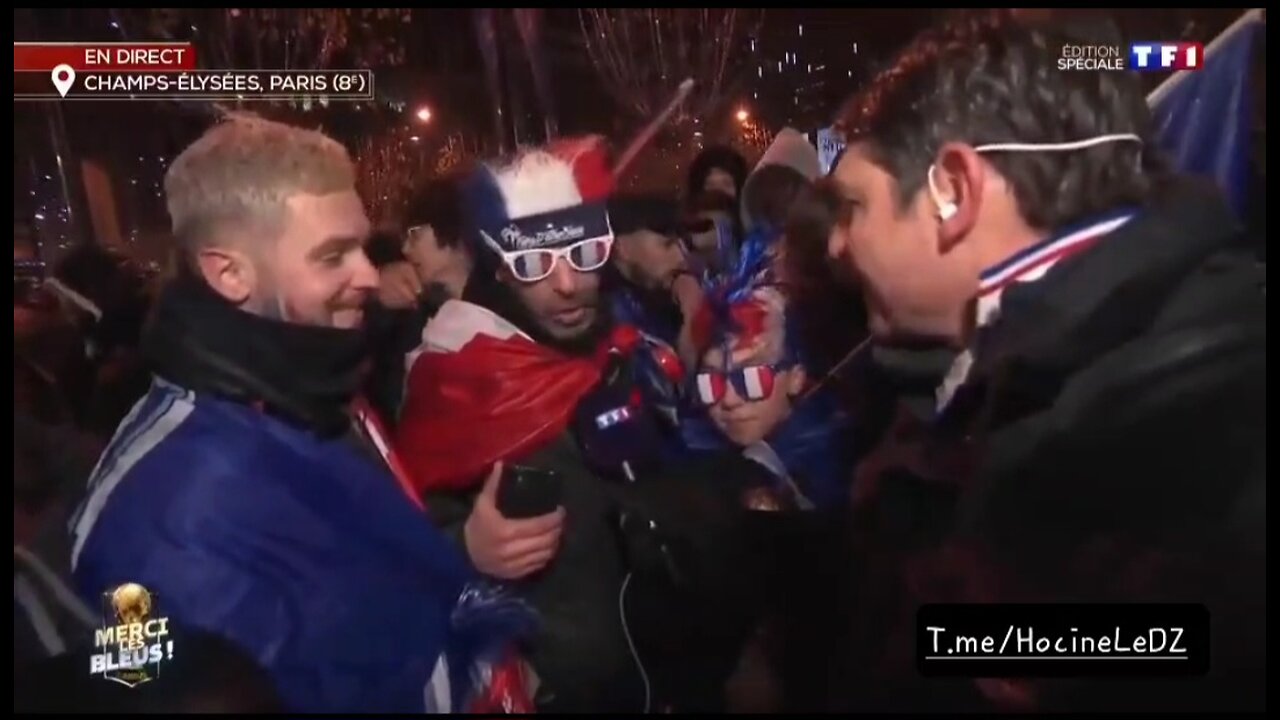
(1025, 266)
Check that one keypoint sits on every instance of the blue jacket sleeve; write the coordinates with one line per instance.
(340, 625)
(312, 649)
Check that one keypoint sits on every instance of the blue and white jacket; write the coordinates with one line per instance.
(303, 551)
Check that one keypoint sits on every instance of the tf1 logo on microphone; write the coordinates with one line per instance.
(1160, 56)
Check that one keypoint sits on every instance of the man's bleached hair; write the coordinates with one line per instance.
(241, 172)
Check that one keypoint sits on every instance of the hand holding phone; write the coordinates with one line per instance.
(507, 547)
(528, 492)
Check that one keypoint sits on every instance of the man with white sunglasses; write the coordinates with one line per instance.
(528, 370)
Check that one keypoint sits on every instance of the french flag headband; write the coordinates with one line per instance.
(546, 197)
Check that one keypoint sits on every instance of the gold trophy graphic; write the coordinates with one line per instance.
(128, 626)
(132, 603)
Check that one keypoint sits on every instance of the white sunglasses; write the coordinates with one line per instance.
(533, 265)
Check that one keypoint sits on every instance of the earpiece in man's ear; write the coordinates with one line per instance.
(946, 208)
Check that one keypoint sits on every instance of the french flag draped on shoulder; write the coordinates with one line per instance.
(479, 391)
(1203, 118)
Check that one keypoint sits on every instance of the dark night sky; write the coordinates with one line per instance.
(443, 63)
(443, 68)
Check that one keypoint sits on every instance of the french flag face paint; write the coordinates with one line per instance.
(750, 382)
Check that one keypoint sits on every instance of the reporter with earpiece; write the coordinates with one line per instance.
(1102, 430)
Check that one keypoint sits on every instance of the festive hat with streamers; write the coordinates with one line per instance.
(544, 197)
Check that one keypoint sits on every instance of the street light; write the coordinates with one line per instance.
(743, 115)
(424, 114)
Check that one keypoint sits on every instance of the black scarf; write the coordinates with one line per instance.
(304, 374)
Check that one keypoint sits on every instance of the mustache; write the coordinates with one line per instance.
(572, 306)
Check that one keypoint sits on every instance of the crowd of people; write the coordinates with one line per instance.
(553, 446)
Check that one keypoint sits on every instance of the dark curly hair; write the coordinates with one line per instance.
(438, 203)
(992, 78)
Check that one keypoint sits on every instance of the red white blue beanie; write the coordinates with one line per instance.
(549, 196)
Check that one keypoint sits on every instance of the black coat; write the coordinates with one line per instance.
(393, 334)
(582, 653)
(1108, 445)
(687, 637)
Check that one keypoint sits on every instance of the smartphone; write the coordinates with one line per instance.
(526, 492)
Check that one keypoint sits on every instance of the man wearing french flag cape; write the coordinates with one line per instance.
(1101, 436)
(521, 343)
(529, 369)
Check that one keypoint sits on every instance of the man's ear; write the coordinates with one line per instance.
(960, 175)
(229, 272)
(628, 258)
(416, 234)
(622, 256)
(797, 379)
(622, 249)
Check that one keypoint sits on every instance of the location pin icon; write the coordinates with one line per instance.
(64, 76)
